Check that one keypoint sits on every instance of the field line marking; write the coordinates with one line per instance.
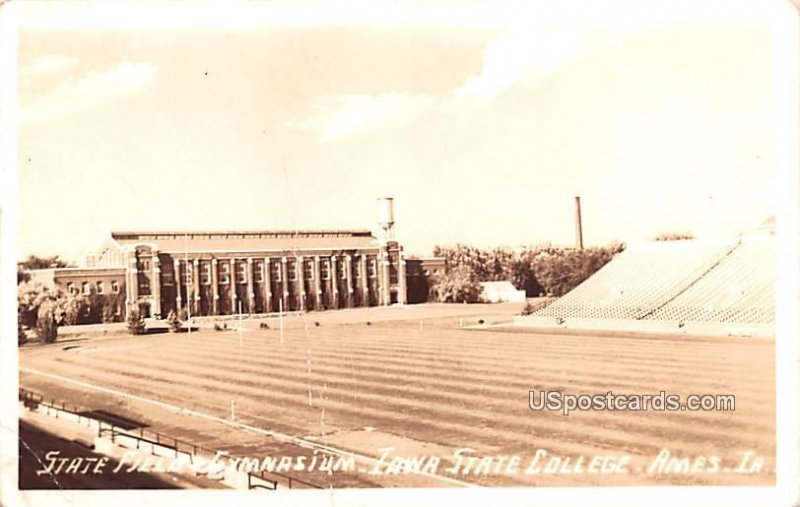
(301, 442)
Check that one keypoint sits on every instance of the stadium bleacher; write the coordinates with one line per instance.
(739, 289)
(678, 281)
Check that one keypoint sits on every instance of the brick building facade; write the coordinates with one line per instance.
(252, 272)
(223, 273)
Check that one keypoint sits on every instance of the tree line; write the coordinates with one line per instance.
(541, 270)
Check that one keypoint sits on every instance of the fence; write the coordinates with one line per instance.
(159, 444)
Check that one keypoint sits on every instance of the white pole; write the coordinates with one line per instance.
(233, 410)
(188, 301)
(280, 316)
(240, 323)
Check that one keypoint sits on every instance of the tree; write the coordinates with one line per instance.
(458, 285)
(109, 312)
(29, 296)
(22, 336)
(674, 236)
(136, 324)
(47, 322)
(34, 262)
(73, 307)
(561, 270)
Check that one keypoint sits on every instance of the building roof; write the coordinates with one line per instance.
(210, 241)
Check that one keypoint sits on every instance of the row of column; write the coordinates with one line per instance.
(193, 291)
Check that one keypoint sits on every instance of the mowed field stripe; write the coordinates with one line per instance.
(746, 366)
(216, 397)
(495, 342)
(148, 370)
(575, 376)
(301, 442)
(412, 381)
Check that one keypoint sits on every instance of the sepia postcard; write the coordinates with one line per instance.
(400, 252)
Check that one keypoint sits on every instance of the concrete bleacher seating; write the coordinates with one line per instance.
(688, 281)
(639, 280)
(739, 289)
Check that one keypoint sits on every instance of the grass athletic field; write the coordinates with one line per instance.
(427, 387)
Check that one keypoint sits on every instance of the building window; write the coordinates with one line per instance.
(308, 270)
(86, 289)
(275, 269)
(224, 273)
(343, 271)
(205, 273)
(144, 264)
(357, 269)
(371, 269)
(114, 287)
(71, 288)
(241, 272)
(258, 271)
(325, 269)
(100, 288)
(292, 269)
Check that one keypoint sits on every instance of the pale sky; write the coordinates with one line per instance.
(482, 122)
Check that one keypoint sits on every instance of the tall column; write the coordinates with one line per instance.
(156, 283)
(317, 285)
(132, 281)
(348, 277)
(214, 287)
(284, 282)
(362, 262)
(177, 266)
(234, 308)
(301, 280)
(334, 283)
(401, 279)
(386, 287)
(195, 287)
(251, 296)
(267, 286)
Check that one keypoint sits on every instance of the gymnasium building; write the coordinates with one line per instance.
(228, 272)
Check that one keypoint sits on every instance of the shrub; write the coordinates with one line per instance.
(174, 322)
(263, 325)
(136, 324)
(458, 285)
(22, 337)
(217, 327)
(46, 324)
(109, 313)
(73, 307)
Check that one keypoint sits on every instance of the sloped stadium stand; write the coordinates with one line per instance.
(688, 286)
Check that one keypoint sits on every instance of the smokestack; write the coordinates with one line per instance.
(578, 226)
